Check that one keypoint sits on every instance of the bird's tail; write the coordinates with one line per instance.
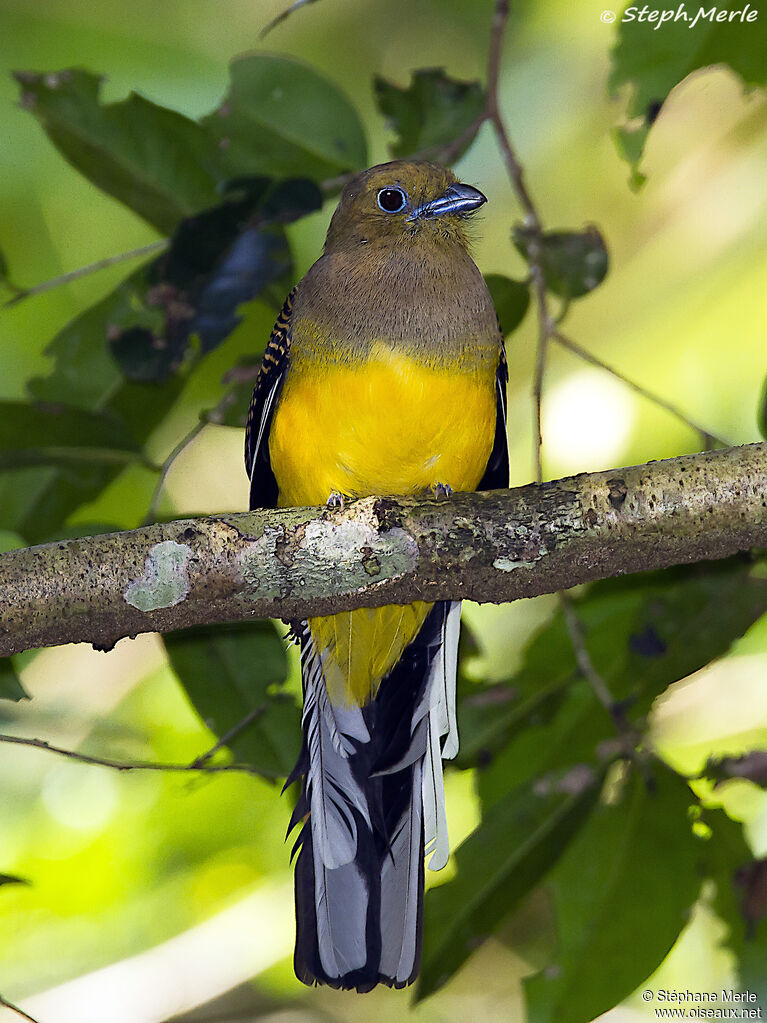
(372, 806)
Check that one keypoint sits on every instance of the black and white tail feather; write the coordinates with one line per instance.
(373, 807)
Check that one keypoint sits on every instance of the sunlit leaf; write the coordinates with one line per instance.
(650, 58)
(514, 847)
(573, 262)
(511, 300)
(162, 165)
(431, 112)
(228, 672)
(10, 683)
(282, 118)
(622, 893)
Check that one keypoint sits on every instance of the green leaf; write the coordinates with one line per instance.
(622, 893)
(282, 118)
(651, 59)
(10, 683)
(42, 434)
(513, 848)
(738, 898)
(643, 633)
(431, 112)
(160, 164)
(37, 502)
(511, 300)
(228, 672)
(573, 262)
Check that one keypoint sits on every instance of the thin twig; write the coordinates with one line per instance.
(283, 15)
(574, 628)
(227, 737)
(164, 469)
(83, 271)
(199, 764)
(708, 438)
(546, 329)
(532, 219)
(14, 1008)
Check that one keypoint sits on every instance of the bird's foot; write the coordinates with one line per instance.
(441, 491)
(335, 500)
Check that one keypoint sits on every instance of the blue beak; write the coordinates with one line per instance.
(457, 199)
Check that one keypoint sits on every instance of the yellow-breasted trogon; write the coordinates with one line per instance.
(385, 374)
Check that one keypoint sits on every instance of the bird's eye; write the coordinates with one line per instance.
(392, 200)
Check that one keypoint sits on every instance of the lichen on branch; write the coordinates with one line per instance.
(294, 562)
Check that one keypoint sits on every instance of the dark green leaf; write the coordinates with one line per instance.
(642, 633)
(511, 299)
(652, 60)
(573, 262)
(228, 672)
(739, 898)
(570, 741)
(622, 893)
(761, 412)
(514, 847)
(283, 119)
(162, 165)
(12, 879)
(10, 683)
(145, 357)
(45, 434)
(431, 112)
(216, 261)
(37, 502)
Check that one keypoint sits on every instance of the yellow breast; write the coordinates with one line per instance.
(388, 426)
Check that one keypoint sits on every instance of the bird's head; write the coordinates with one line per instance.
(403, 201)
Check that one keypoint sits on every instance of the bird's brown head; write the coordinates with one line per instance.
(406, 201)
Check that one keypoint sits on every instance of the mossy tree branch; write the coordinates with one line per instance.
(296, 562)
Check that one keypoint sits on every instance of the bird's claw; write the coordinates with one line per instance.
(442, 491)
(335, 500)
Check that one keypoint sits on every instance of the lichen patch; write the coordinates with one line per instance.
(165, 581)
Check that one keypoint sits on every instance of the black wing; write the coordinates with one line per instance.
(496, 475)
(271, 376)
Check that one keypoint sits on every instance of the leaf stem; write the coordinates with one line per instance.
(84, 271)
(198, 764)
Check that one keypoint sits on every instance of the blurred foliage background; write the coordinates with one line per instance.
(153, 894)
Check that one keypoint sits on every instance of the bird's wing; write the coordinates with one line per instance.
(496, 475)
(271, 376)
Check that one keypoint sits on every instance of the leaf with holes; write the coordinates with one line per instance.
(160, 164)
(651, 57)
(432, 112)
